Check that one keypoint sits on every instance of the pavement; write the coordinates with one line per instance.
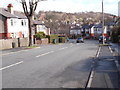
(105, 71)
(116, 49)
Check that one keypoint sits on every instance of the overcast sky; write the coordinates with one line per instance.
(110, 6)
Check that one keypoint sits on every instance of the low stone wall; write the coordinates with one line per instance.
(42, 41)
(19, 42)
(10, 43)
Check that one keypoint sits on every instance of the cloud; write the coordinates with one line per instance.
(110, 6)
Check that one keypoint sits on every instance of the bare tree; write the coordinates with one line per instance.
(29, 10)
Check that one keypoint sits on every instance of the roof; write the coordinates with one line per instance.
(5, 13)
(16, 14)
(20, 15)
(75, 28)
(98, 26)
(85, 26)
(111, 24)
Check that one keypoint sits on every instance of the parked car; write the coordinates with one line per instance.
(101, 39)
(80, 39)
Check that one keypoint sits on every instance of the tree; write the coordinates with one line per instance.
(29, 10)
(116, 34)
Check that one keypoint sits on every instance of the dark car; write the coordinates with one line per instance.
(101, 39)
(80, 39)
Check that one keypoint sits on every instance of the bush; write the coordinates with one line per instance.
(116, 34)
(53, 36)
(40, 35)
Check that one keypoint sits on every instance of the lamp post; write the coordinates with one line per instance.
(103, 22)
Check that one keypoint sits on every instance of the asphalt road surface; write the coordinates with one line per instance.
(50, 66)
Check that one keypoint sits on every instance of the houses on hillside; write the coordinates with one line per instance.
(90, 31)
(14, 24)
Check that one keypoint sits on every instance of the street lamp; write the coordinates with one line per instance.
(103, 22)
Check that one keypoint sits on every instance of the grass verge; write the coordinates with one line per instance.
(31, 46)
(104, 45)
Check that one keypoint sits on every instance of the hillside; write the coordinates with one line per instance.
(61, 21)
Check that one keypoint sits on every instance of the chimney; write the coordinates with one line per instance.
(10, 8)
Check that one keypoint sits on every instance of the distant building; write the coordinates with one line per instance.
(119, 8)
(75, 30)
(96, 31)
(40, 27)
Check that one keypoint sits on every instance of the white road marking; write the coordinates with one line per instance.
(90, 80)
(11, 65)
(13, 52)
(45, 54)
(17, 51)
(98, 52)
(110, 49)
(92, 72)
(63, 48)
(78, 44)
(66, 47)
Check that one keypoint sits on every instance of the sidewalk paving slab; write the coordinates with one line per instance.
(106, 73)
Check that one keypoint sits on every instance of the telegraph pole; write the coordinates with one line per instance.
(103, 22)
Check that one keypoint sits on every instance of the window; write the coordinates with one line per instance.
(15, 22)
(11, 22)
(22, 23)
(25, 22)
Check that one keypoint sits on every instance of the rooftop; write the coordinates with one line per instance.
(17, 14)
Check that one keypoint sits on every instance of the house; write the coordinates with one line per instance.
(75, 30)
(39, 26)
(13, 24)
(96, 31)
(86, 30)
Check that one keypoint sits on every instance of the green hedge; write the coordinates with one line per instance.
(56, 39)
(62, 39)
(116, 34)
(40, 35)
(52, 37)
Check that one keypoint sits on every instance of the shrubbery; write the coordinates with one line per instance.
(53, 37)
(116, 34)
(40, 35)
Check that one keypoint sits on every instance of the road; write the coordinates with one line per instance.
(50, 66)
